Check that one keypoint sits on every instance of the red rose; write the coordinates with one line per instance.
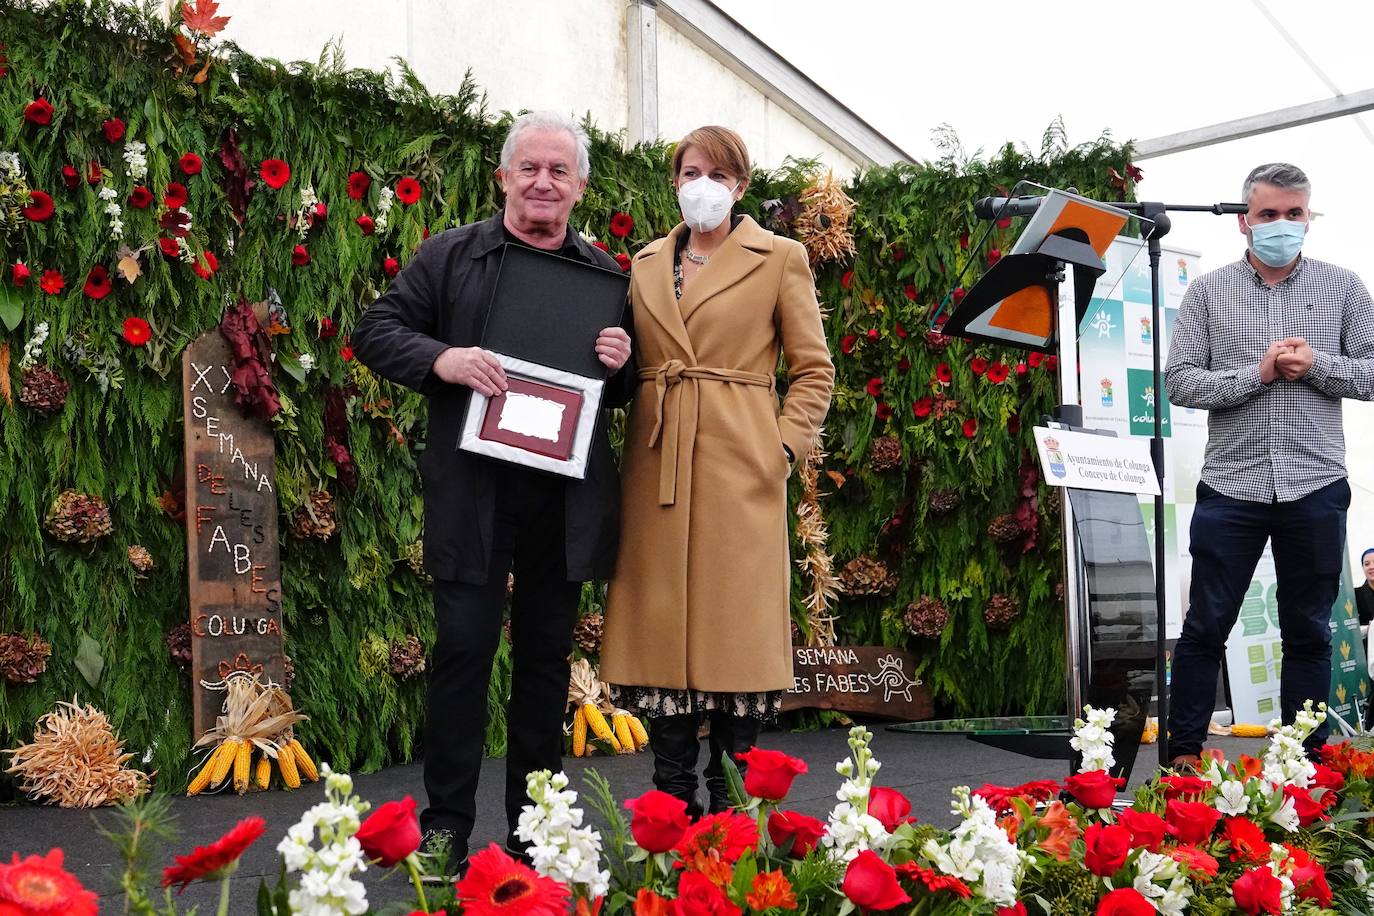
(890, 807)
(978, 365)
(903, 365)
(847, 279)
(140, 198)
(1308, 808)
(136, 331)
(623, 260)
(770, 773)
(943, 374)
(1125, 901)
(169, 247)
(391, 267)
(52, 282)
(70, 177)
(1193, 822)
(1107, 849)
(1147, 830)
(1258, 891)
(1309, 877)
(1020, 369)
(39, 112)
(803, 832)
(963, 240)
(621, 224)
(994, 255)
(698, 896)
(1004, 223)
(93, 172)
(299, 256)
(922, 407)
(113, 129)
(1035, 359)
(959, 294)
(1094, 789)
(847, 343)
(1328, 778)
(408, 190)
(346, 352)
(190, 164)
(39, 207)
(390, 833)
(970, 428)
(97, 283)
(275, 172)
(1016, 909)
(658, 820)
(175, 198)
(872, 334)
(872, 884)
(1192, 787)
(875, 387)
(358, 183)
(327, 328)
(909, 290)
(19, 273)
(367, 224)
(1051, 363)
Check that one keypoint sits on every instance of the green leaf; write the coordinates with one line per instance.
(11, 307)
(291, 366)
(733, 782)
(745, 870)
(89, 661)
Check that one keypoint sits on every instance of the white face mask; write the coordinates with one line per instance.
(705, 203)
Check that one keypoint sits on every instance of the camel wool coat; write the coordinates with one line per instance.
(701, 594)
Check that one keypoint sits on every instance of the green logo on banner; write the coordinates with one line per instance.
(1259, 674)
(1252, 614)
(1265, 705)
(1140, 384)
(1256, 654)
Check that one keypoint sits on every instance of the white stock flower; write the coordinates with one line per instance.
(979, 852)
(1285, 761)
(33, 350)
(561, 848)
(135, 159)
(327, 885)
(1093, 739)
(9, 164)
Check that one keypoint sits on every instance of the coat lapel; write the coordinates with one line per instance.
(654, 270)
(742, 252)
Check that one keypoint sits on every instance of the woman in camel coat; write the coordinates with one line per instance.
(698, 622)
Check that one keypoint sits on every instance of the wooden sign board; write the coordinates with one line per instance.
(872, 680)
(232, 562)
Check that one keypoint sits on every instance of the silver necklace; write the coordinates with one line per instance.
(698, 259)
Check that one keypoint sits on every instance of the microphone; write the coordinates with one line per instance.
(1000, 207)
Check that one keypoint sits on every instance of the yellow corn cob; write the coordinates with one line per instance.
(579, 747)
(597, 723)
(202, 779)
(263, 774)
(305, 767)
(223, 758)
(243, 759)
(620, 722)
(286, 762)
(1244, 730)
(637, 730)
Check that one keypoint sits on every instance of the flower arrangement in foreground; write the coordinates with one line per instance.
(1274, 834)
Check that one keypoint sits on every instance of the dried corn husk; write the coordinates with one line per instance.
(823, 226)
(76, 761)
(815, 560)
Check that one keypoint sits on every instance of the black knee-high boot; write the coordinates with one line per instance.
(731, 735)
(673, 739)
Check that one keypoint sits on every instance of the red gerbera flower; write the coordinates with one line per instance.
(847, 343)
(358, 183)
(997, 373)
(728, 834)
(39, 885)
(978, 365)
(113, 129)
(169, 247)
(52, 282)
(621, 224)
(496, 885)
(1035, 359)
(275, 172)
(299, 256)
(175, 198)
(922, 407)
(970, 428)
(943, 374)
(366, 224)
(97, 283)
(875, 387)
(39, 112)
(39, 207)
(210, 266)
(140, 198)
(883, 411)
(136, 333)
(408, 190)
(211, 861)
(623, 260)
(19, 273)
(933, 880)
(70, 178)
(391, 267)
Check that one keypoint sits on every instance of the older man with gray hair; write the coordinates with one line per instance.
(485, 519)
(1268, 345)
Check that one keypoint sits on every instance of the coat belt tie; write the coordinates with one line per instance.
(668, 420)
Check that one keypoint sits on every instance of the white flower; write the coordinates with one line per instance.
(979, 852)
(9, 164)
(1286, 816)
(33, 350)
(1175, 899)
(384, 199)
(1093, 739)
(1285, 761)
(1150, 868)
(327, 885)
(135, 159)
(307, 361)
(561, 848)
(1232, 800)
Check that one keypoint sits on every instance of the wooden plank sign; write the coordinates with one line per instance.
(873, 680)
(232, 561)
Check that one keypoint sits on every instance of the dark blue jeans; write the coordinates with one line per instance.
(1227, 538)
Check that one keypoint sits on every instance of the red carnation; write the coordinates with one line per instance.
(1096, 788)
(190, 164)
(70, 177)
(847, 279)
(978, 365)
(94, 172)
(97, 282)
(38, 886)
(169, 247)
(922, 407)
(275, 172)
(39, 207)
(52, 282)
(1020, 369)
(1193, 822)
(621, 224)
(140, 198)
(804, 832)
(496, 884)
(1258, 891)
(890, 807)
(994, 255)
(847, 343)
(137, 333)
(19, 273)
(299, 256)
(943, 374)
(997, 373)
(883, 411)
(1106, 849)
(39, 112)
(623, 260)
(909, 291)
(366, 224)
(211, 862)
(391, 267)
(358, 183)
(872, 884)
(658, 820)
(113, 129)
(210, 267)
(970, 428)
(320, 211)
(770, 773)
(408, 190)
(175, 198)
(390, 833)
(875, 387)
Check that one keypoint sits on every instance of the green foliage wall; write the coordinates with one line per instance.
(99, 60)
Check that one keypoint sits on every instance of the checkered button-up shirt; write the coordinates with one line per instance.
(1283, 440)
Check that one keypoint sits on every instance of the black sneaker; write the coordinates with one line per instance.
(518, 849)
(444, 857)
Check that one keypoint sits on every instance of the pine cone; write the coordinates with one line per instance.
(926, 617)
(1005, 529)
(288, 672)
(43, 390)
(78, 517)
(1001, 611)
(867, 575)
(407, 657)
(884, 453)
(315, 520)
(943, 502)
(179, 645)
(141, 560)
(23, 658)
(415, 559)
(588, 632)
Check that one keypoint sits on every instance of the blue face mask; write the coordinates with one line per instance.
(1277, 243)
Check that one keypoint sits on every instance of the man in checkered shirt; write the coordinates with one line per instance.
(1268, 345)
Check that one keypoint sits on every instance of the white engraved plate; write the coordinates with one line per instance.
(527, 415)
